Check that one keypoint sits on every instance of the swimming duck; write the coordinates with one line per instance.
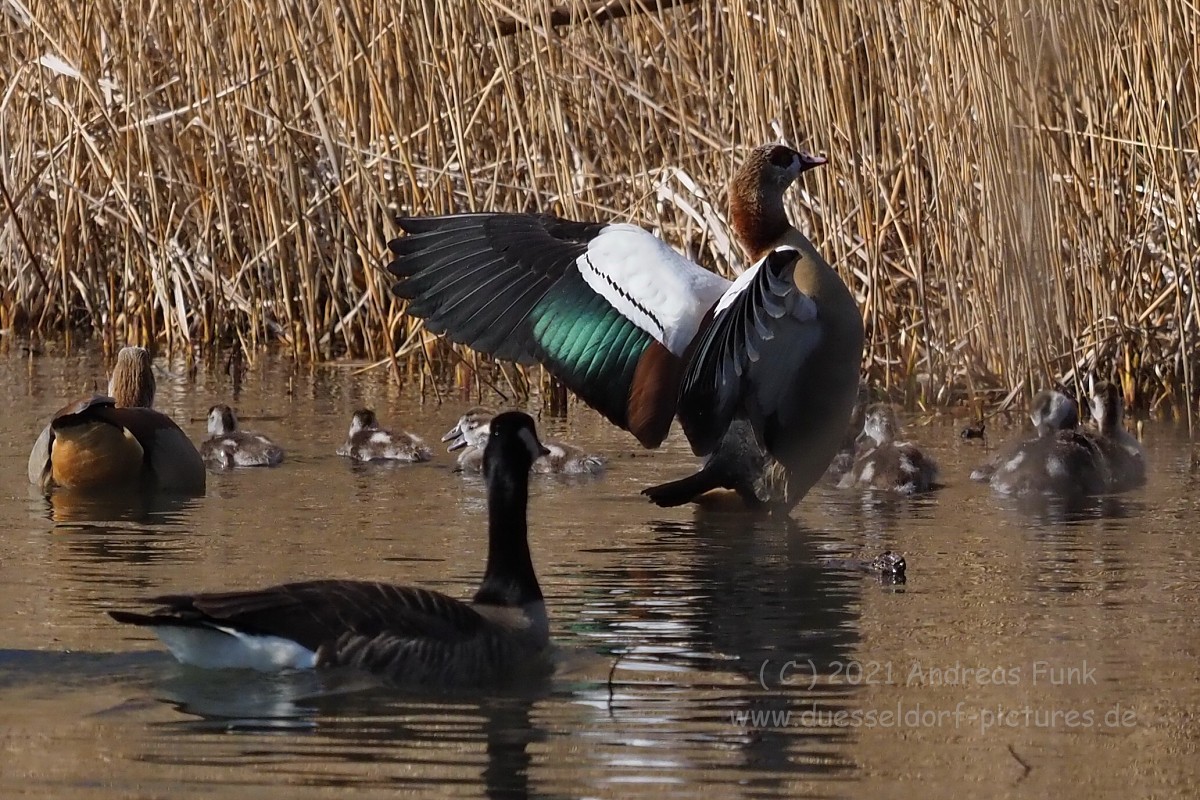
(227, 446)
(405, 635)
(470, 435)
(369, 442)
(1124, 454)
(1059, 460)
(642, 334)
(883, 463)
(1050, 411)
(117, 440)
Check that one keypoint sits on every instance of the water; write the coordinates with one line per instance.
(1041, 652)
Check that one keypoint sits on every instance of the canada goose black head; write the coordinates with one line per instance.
(221, 420)
(512, 444)
(132, 380)
(756, 194)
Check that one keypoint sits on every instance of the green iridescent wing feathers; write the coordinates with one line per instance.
(507, 285)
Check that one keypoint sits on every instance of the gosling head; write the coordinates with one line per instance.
(1053, 411)
(1107, 407)
(221, 420)
(363, 420)
(879, 425)
(471, 429)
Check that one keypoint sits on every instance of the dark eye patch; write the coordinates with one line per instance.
(782, 157)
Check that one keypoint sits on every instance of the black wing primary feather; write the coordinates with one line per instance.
(508, 285)
(713, 389)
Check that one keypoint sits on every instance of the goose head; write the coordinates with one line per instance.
(1106, 406)
(132, 381)
(363, 420)
(470, 431)
(879, 425)
(756, 194)
(221, 420)
(512, 444)
(1053, 411)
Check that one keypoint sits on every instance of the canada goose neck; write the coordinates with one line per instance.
(509, 579)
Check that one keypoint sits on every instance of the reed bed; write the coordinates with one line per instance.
(1012, 191)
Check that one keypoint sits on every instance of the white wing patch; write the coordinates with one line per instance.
(650, 284)
(227, 648)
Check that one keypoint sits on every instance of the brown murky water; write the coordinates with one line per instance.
(1035, 653)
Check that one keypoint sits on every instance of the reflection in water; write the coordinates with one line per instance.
(65, 505)
(683, 608)
(352, 721)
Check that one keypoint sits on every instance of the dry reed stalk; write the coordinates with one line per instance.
(1013, 190)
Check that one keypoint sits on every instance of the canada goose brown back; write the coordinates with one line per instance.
(404, 635)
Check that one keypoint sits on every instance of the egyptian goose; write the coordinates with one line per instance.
(883, 463)
(470, 433)
(1060, 460)
(369, 442)
(1124, 453)
(117, 440)
(227, 446)
(404, 635)
(642, 334)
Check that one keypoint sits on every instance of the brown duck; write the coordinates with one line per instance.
(117, 441)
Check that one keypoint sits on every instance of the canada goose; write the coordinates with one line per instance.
(470, 434)
(1124, 454)
(227, 446)
(1060, 460)
(883, 463)
(117, 440)
(642, 334)
(405, 635)
(369, 442)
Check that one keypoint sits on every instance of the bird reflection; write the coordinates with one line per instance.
(349, 717)
(67, 505)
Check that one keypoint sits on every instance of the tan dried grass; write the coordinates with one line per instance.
(1012, 190)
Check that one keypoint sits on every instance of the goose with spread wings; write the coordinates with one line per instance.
(643, 335)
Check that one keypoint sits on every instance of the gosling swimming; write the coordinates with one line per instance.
(470, 433)
(227, 446)
(883, 463)
(369, 442)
